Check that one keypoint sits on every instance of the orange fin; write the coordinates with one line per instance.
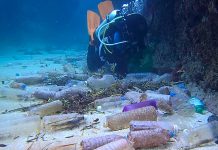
(105, 8)
(93, 21)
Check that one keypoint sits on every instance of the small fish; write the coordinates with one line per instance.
(3, 145)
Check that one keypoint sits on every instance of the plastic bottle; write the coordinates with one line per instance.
(47, 109)
(140, 105)
(146, 125)
(195, 137)
(121, 120)
(16, 85)
(111, 102)
(148, 138)
(199, 105)
(62, 121)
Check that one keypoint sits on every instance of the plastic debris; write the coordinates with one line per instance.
(121, 120)
(140, 105)
(95, 142)
(158, 97)
(47, 109)
(149, 138)
(16, 85)
(195, 137)
(62, 121)
(111, 102)
(101, 83)
(121, 144)
(199, 105)
(30, 80)
(147, 125)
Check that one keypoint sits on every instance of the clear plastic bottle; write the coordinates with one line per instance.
(195, 137)
(146, 125)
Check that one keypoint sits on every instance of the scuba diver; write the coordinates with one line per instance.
(119, 38)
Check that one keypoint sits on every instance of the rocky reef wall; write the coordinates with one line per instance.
(183, 34)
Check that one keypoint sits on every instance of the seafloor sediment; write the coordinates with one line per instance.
(59, 77)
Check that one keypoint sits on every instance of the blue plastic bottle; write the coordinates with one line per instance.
(199, 105)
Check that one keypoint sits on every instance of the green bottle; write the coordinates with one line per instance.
(199, 105)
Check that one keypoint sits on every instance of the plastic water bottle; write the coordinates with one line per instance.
(146, 125)
(194, 137)
(198, 104)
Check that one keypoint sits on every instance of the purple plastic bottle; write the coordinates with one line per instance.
(152, 102)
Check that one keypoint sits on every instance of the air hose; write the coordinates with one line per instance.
(106, 25)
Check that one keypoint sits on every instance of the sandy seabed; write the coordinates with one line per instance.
(11, 66)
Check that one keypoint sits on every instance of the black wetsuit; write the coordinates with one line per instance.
(131, 28)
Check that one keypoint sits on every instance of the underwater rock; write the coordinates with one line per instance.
(122, 144)
(30, 80)
(93, 143)
(102, 83)
(122, 120)
(149, 138)
(47, 109)
(62, 121)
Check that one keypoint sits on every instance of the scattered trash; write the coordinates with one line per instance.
(47, 109)
(30, 80)
(147, 125)
(63, 94)
(199, 105)
(121, 120)
(164, 90)
(165, 107)
(95, 142)
(104, 82)
(121, 144)
(192, 138)
(140, 105)
(158, 97)
(62, 121)
(110, 102)
(149, 138)
(16, 85)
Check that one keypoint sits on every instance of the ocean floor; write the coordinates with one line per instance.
(15, 103)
